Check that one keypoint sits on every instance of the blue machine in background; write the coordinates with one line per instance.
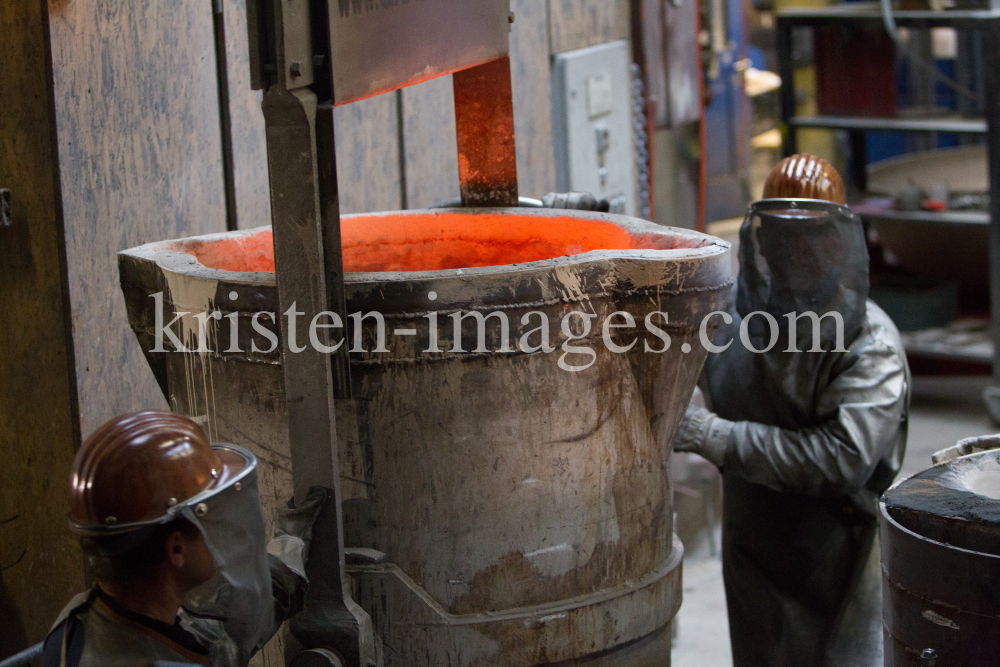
(727, 113)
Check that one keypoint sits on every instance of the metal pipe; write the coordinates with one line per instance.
(25, 657)
(225, 119)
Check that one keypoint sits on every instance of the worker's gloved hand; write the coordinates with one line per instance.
(580, 201)
(293, 530)
(704, 433)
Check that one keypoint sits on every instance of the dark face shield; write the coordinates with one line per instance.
(803, 256)
(232, 523)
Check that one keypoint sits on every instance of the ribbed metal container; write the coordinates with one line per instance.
(524, 510)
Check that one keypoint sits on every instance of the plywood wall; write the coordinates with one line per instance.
(368, 160)
(253, 199)
(140, 151)
(40, 564)
(429, 143)
(575, 24)
(530, 72)
(132, 111)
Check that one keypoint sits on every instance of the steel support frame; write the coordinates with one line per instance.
(786, 70)
(309, 272)
(305, 214)
(988, 23)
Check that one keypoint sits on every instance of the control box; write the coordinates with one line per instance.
(592, 124)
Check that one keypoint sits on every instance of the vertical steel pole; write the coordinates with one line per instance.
(991, 66)
(329, 208)
(786, 71)
(306, 222)
(225, 119)
(859, 160)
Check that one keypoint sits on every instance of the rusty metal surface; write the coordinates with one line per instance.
(484, 125)
(653, 650)
(382, 45)
(941, 585)
(525, 513)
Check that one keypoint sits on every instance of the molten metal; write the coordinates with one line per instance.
(434, 241)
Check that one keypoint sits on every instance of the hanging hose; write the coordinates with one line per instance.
(890, 26)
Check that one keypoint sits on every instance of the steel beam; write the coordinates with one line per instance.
(309, 274)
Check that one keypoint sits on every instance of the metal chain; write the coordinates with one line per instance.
(641, 142)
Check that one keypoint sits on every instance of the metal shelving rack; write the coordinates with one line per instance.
(985, 21)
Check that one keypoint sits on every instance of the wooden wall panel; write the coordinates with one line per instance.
(140, 155)
(367, 136)
(574, 24)
(253, 200)
(531, 77)
(41, 563)
(429, 142)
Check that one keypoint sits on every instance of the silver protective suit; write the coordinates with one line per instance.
(816, 437)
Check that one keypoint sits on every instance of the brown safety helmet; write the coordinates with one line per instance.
(135, 468)
(805, 176)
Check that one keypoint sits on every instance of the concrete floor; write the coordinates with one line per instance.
(943, 411)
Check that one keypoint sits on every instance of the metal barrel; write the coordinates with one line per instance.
(940, 540)
(499, 508)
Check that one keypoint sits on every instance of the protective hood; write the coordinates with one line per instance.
(232, 522)
(803, 256)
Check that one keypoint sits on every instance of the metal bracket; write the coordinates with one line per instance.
(5, 218)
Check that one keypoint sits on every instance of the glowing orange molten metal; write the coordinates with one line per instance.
(439, 240)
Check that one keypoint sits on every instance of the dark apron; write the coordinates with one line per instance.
(790, 564)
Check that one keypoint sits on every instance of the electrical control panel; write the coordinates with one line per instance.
(592, 124)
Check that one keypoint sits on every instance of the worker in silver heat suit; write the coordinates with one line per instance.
(807, 441)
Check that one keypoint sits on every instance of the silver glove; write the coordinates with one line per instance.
(581, 201)
(293, 530)
(704, 433)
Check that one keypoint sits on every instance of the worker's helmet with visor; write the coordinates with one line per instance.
(146, 469)
(803, 250)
